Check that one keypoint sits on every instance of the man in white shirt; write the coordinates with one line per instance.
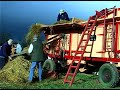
(18, 48)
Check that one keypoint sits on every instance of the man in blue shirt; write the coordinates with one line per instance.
(5, 52)
(63, 16)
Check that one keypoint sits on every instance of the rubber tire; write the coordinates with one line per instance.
(49, 65)
(111, 70)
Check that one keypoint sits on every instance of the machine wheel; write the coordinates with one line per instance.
(49, 65)
(108, 75)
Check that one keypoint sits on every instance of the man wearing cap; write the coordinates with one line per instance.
(37, 57)
(62, 16)
(5, 52)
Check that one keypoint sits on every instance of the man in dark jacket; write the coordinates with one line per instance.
(37, 56)
(63, 16)
(5, 52)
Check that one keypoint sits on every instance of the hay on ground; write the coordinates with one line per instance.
(16, 70)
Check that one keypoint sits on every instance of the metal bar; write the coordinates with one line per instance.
(104, 32)
(113, 32)
(70, 44)
(117, 42)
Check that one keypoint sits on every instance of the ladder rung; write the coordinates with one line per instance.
(109, 32)
(86, 34)
(108, 41)
(108, 48)
(73, 66)
(67, 81)
(109, 28)
(89, 45)
(70, 74)
(109, 38)
(84, 40)
(101, 34)
(100, 52)
(108, 51)
(87, 52)
(82, 46)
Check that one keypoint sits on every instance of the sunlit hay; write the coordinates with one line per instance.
(16, 70)
(76, 20)
(73, 20)
(34, 29)
(62, 21)
(25, 50)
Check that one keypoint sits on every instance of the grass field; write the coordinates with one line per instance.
(82, 81)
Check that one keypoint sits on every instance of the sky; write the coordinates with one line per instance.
(17, 16)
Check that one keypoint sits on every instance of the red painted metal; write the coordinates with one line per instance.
(111, 12)
(118, 51)
(118, 8)
(116, 43)
(104, 33)
(97, 59)
(70, 44)
(114, 32)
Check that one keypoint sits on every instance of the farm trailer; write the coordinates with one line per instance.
(95, 42)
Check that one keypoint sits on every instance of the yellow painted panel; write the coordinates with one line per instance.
(97, 46)
(118, 12)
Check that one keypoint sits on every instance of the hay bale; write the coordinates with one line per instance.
(16, 70)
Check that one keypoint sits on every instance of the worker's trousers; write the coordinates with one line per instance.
(2, 62)
(32, 68)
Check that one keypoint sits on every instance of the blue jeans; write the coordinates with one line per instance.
(32, 68)
(2, 62)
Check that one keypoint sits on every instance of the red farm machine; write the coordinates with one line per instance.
(89, 43)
